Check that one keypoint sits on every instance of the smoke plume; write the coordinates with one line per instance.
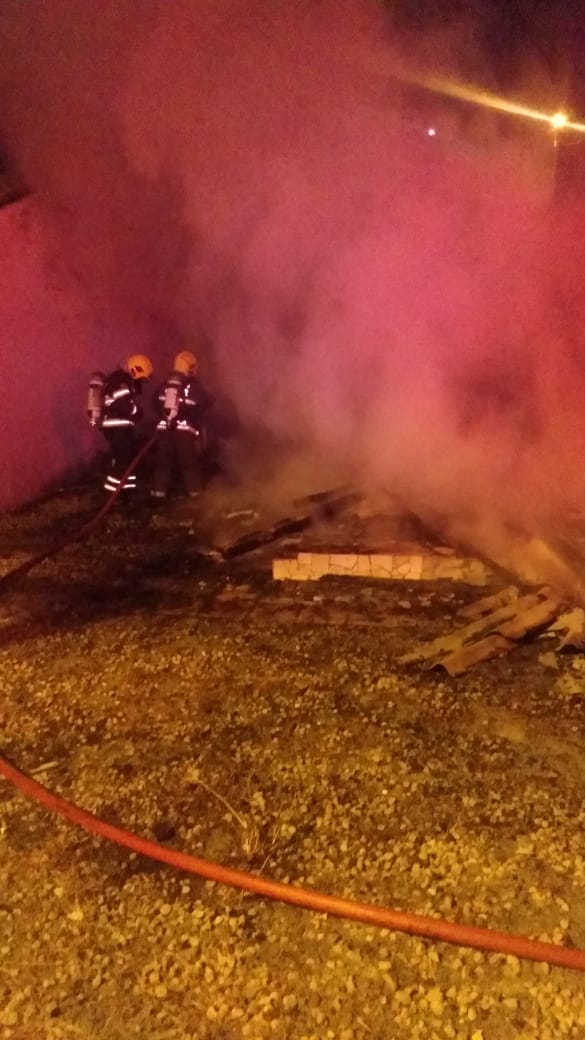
(378, 278)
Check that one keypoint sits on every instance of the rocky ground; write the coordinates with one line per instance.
(270, 726)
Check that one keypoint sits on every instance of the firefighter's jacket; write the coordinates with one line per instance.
(121, 406)
(181, 403)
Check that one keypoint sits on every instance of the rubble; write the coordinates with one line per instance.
(498, 622)
(572, 623)
(501, 622)
(572, 683)
(256, 539)
(306, 512)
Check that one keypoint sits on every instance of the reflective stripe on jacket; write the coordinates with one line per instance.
(120, 404)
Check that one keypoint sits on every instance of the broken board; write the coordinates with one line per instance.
(501, 622)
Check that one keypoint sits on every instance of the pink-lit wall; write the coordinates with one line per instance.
(49, 344)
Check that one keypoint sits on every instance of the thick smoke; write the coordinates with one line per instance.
(255, 179)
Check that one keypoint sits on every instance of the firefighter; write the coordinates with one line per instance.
(114, 407)
(181, 403)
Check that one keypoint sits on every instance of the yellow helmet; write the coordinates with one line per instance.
(139, 366)
(186, 362)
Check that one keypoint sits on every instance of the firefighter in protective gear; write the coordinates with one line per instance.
(120, 412)
(180, 403)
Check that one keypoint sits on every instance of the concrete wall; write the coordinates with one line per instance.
(48, 345)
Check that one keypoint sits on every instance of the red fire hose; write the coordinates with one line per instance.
(309, 899)
(23, 568)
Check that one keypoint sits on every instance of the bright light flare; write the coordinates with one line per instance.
(464, 92)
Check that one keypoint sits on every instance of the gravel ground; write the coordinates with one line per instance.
(271, 728)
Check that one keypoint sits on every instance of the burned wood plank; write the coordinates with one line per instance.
(467, 656)
(536, 617)
(491, 635)
(473, 632)
(319, 497)
(482, 607)
(290, 525)
(256, 539)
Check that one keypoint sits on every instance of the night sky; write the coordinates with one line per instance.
(522, 44)
(531, 51)
(511, 33)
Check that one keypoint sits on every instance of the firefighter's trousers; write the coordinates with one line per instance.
(178, 461)
(123, 447)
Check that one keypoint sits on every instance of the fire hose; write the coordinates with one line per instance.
(7, 579)
(426, 927)
(479, 938)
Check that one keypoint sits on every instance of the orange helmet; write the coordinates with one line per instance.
(186, 362)
(139, 366)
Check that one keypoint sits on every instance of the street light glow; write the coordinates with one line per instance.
(476, 96)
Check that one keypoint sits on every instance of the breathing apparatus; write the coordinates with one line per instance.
(95, 398)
